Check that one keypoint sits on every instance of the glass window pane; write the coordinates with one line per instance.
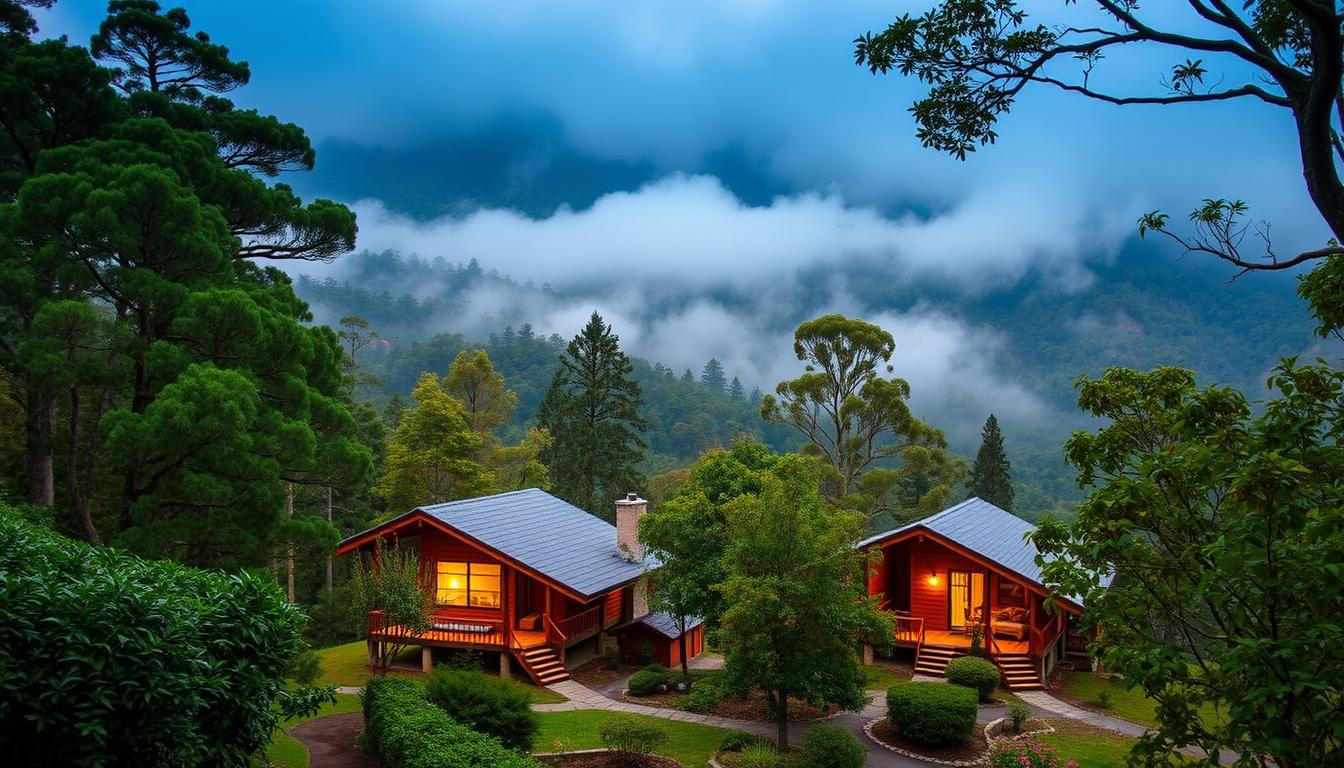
(451, 583)
(485, 585)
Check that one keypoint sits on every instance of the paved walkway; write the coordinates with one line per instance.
(1045, 701)
(331, 741)
(582, 697)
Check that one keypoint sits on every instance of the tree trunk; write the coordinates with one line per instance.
(40, 424)
(329, 579)
(79, 500)
(289, 551)
(685, 665)
(782, 721)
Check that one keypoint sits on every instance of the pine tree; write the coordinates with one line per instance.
(989, 475)
(712, 376)
(592, 413)
(736, 391)
(688, 377)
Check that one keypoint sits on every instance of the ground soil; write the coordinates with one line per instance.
(593, 675)
(331, 741)
(605, 760)
(974, 749)
(753, 707)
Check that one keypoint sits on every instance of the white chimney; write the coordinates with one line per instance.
(628, 512)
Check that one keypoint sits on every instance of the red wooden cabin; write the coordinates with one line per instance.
(526, 576)
(971, 570)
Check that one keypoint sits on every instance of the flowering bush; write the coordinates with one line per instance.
(1025, 753)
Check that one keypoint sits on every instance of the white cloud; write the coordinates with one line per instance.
(690, 231)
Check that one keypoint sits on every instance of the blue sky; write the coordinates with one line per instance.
(625, 150)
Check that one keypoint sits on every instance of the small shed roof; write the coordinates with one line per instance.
(544, 533)
(665, 624)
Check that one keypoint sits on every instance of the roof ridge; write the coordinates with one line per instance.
(501, 494)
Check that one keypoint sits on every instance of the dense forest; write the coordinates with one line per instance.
(1143, 309)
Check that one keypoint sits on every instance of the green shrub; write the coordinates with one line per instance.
(306, 667)
(1104, 698)
(486, 704)
(331, 620)
(832, 746)
(470, 661)
(632, 740)
(645, 682)
(659, 668)
(975, 673)
(738, 741)
(1018, 715)
(404, 730)
(932, 713)
(758, 755)
(108, 659)
(703, 696)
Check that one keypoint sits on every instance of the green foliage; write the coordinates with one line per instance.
(854, 419)
(107, 659)
(404, 730)
(1104, 698)
(434, 455)
(738, 741)
(1196, 499)
(485, 704)
(828, 745)
(933, 713)
(990, 479)
(1025, 753)
(759, 754)
(330, 621)
(646, 681)
(795, 596)
(306, 667)
(975, 673)
(632, 740)
(592, 412)
(704, 696)
(391, 582)
(1018, 714)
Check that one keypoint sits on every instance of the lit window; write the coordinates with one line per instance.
(473, 585)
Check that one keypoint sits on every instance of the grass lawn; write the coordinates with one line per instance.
(1091, 747)
(883, 677)
(348, 665)
(1128, 704)
(690, 744)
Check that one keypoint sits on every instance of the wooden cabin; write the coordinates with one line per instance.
(526, 576)
(970, 570)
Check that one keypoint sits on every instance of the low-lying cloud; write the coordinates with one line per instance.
(690, 231)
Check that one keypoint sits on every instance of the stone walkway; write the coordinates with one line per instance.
(1045, 701)
(582, 697)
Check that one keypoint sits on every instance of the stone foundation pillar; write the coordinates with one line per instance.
(504, 664)
(426, 658)
(867, 655)
(601, 646)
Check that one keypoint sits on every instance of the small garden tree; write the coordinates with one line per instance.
(795, 595)
(391, 582)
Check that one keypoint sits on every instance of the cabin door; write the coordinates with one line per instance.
(965, 598)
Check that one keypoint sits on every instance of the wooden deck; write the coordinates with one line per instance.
(1002, 645)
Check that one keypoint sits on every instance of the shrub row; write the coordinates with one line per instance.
(933, 713)
(405, 730)
(486, 704)
(108, 659)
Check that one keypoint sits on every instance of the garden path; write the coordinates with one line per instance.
(331, 741)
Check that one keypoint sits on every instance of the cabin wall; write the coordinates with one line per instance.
(435, 546)
(929, 600)
(664, 651)
(611, 606)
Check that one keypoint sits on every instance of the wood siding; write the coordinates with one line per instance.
(435, 546)
(930, 600)
(612, 606)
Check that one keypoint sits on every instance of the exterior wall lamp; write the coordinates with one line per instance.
(933, 578)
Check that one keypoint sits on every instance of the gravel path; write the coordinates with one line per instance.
(331, 741)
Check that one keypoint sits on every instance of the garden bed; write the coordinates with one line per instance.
(970, 752)
(602, 758)
(594, 675)
(753, 707)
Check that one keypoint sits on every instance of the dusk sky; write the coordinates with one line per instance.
(712, 147)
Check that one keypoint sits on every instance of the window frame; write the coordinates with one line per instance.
(467, 589)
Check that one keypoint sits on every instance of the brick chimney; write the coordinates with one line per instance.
(628, 512)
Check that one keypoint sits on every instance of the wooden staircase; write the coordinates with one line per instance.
(541, 664)
(1019, 672)
(932, 659)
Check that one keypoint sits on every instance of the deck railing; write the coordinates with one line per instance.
(909, 629)
(582, 623)
(441, 629)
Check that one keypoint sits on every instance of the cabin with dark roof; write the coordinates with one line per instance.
(527, 576)
(971, 572)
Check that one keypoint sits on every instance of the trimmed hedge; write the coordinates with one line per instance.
(404, 730)
(646, 682)
(109, 659)
(975, 673)
(486, 704)
(933, 713)
(832, 746)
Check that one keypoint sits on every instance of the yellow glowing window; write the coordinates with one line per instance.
(473, 585)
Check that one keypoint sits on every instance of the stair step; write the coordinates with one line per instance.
(556, 678)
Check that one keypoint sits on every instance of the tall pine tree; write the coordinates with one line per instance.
(592, 412)
(713, 377)
(989, 475)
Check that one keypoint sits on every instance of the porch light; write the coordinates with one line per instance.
(933, 578)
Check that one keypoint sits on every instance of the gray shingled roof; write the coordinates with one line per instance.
(663, 623)
(981, 527)
(547, 534)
